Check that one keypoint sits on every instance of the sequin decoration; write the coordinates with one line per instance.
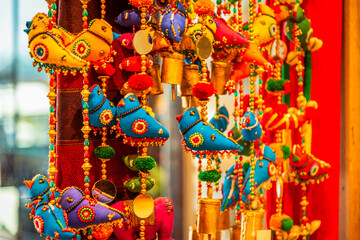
(81, 48)
(86, 214)
(140, 126)
(314, 170)
(106, 117)
(196, 139)
(41, 52)
(39, 224)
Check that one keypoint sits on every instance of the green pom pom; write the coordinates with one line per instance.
(144, 163)
(106, 152)
(246, 166)
(286, 224)
(209, 176)
(275, 85)
(286, 151)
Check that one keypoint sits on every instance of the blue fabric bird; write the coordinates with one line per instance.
(49, 219)
(221, 121)
(251, 128)
(137, 126)
(130, 18)
(264, 169)
(202, 138)
(102, 113)
(173, 22)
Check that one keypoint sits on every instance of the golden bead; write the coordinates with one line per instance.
(142, 222)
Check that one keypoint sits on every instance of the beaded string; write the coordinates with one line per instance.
(52, 10)
(217, 160)
(103, 9)
(52, 134)
(251, 103)
(85, 13)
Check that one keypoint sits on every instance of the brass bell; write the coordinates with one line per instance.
(208, 217)
(251, 222)
(224, 220)
(235, 232)
(191, 76)
(193, 235)
(154, 73)
(172, 70)
(220, 74)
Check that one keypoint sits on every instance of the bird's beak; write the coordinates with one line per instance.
(121, 103)
(29, 183)
(178, 118)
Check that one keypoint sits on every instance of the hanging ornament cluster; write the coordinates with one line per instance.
(269, 140)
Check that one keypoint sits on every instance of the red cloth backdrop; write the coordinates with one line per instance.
(326, 20)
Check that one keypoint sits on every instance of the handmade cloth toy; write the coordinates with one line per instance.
(235, 134)
(48, 43)
(102, 113)
(202, 138)
(279, 117)
(173, 21)
(94, 43)
(251, 129)
(133, 64)
(230, 189)
(194, 32)
(84, 213)
(49, 219)
(306, 167)
(160, 225)
(130, 18)
(221, 121)
(298, 18)
(137, 126)
(126, 40)
(226, 36)
(264, 169)
(160, 42)
(265, 25)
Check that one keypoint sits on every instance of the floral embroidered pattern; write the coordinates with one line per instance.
(196, 139)
(41, 51)
(39, 224)
(86, 214)
(140, 126)
(106, 117)
(81, 48)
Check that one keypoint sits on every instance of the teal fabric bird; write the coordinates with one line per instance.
(221, 121)
(203, 138)
(137, 126)
(49, 219)
(102, 113)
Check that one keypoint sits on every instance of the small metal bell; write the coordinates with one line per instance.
(172, 69)
(220, 73)
(154, 72)
(191, 76)
(235, 232)
(251, 222)
(193, 235)
(208, 216)
(224, 220)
